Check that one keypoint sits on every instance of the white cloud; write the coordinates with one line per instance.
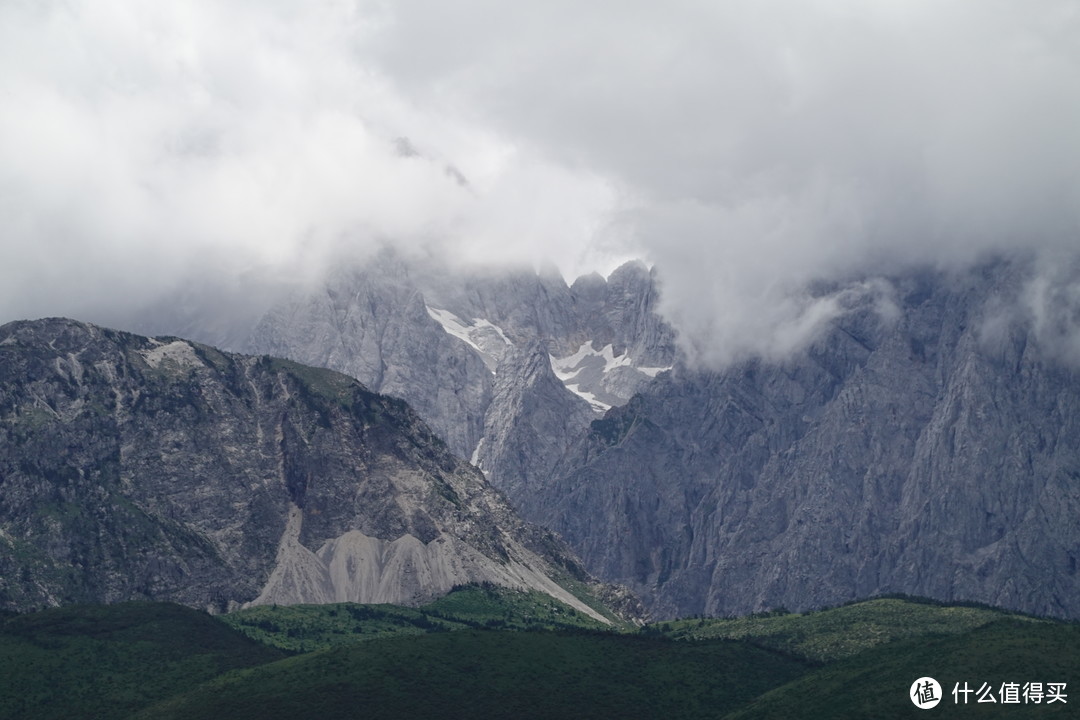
(1051, 298)
(745, 148)
(767, 144)
(140, 143)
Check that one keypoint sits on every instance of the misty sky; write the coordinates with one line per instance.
(744, 148)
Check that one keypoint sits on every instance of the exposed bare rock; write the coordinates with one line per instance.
(373, 324)
(134, 467)
(530, 423)
(935, 452)
(451, 343)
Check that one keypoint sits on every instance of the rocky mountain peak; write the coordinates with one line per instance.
(159, 468)
(927, 448)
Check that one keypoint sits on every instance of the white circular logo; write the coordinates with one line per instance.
(925, 693)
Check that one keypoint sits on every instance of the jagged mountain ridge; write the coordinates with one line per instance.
(134, 467)
(438, 339)
(936, 453)
(799, 483)
(373, 324)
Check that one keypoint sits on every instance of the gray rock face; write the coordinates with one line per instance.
(439, 339)
(133, 467)
(373, 324)
(507, 366)
(930, 451)
(530, 423)
(934, 453)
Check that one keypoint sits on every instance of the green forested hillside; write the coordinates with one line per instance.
(875, 683)
(843, 631)
(496, 674)
(303, 628)
(493, 653)
(94, 661)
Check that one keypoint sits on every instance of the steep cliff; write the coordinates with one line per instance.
(372, 324)
(933, 449)
(925, 443)
(530, 424)
(438, 337)
(134, 467)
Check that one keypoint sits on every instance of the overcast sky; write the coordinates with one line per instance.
(745, 148)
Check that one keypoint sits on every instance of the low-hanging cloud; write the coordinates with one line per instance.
(761, 146)
(747, 149)
(143, 144)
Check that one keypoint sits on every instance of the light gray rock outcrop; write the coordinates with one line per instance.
(531, 422)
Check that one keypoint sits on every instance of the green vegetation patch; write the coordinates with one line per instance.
(107, 661)
(494, 607)
(485, 674)
(876, 683)
(158, 660)
(586, 594)
(327, 384)
(843, 631)
(304, 628)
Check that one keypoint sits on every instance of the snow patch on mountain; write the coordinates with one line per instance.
(597, 404)
(475, 459)
(600, 376)
(487, 339)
